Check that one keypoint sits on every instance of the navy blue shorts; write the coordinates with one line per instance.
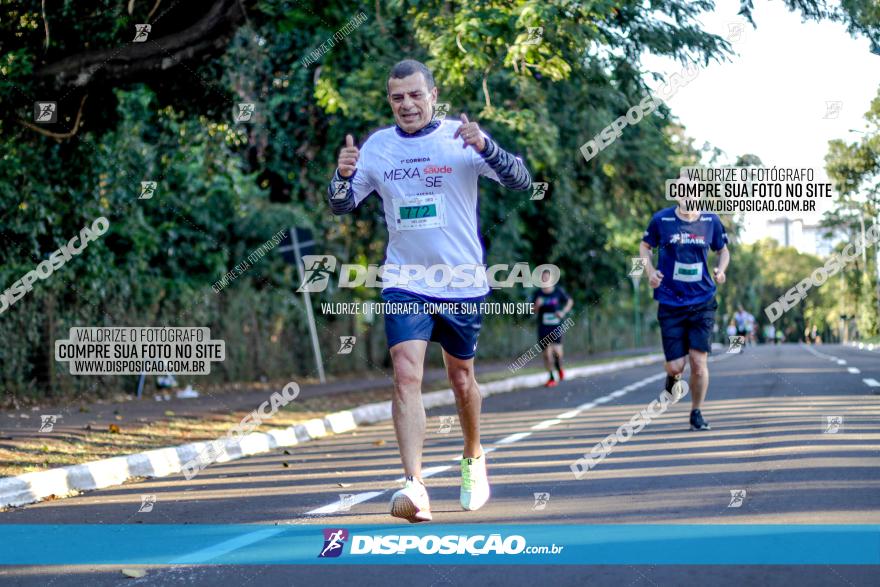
(455, 328)
(686, 327)
(545, 333)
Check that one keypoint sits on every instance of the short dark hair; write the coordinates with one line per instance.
(406, 68)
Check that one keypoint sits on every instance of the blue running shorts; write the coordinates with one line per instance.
(455, 324)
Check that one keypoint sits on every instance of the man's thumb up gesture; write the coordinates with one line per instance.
(348, 158)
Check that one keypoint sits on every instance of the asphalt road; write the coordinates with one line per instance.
(771, 438)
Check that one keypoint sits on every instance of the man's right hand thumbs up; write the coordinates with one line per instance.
(348, 158)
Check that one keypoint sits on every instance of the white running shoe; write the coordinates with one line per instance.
(411, 503)
(474, 482)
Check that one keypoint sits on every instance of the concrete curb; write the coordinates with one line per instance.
(67, 481)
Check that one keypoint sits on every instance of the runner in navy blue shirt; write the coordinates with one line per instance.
(685, 292)
(551, 305)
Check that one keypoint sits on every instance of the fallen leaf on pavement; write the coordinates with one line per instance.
(134, 573)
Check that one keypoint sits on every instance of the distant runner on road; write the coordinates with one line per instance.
(551, 305)
(426, 173)
(685, 293)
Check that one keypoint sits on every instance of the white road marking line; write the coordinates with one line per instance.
(853, 370)
(606, 398)
(813, 351)
(841, 362)
(431, 471)
(546, 424)
(514, 438)
(356, 499)
(871, 382)
(221, 548)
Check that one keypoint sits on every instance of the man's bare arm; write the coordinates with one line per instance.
(654, 276)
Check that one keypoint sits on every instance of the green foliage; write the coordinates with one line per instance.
(225, 188)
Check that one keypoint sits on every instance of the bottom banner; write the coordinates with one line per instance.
(244, 544)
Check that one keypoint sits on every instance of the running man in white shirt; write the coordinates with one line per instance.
(426, 173)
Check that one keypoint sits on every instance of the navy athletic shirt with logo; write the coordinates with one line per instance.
(550, 304)
(684, 252)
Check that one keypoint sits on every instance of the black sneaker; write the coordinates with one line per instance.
(697, 421)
